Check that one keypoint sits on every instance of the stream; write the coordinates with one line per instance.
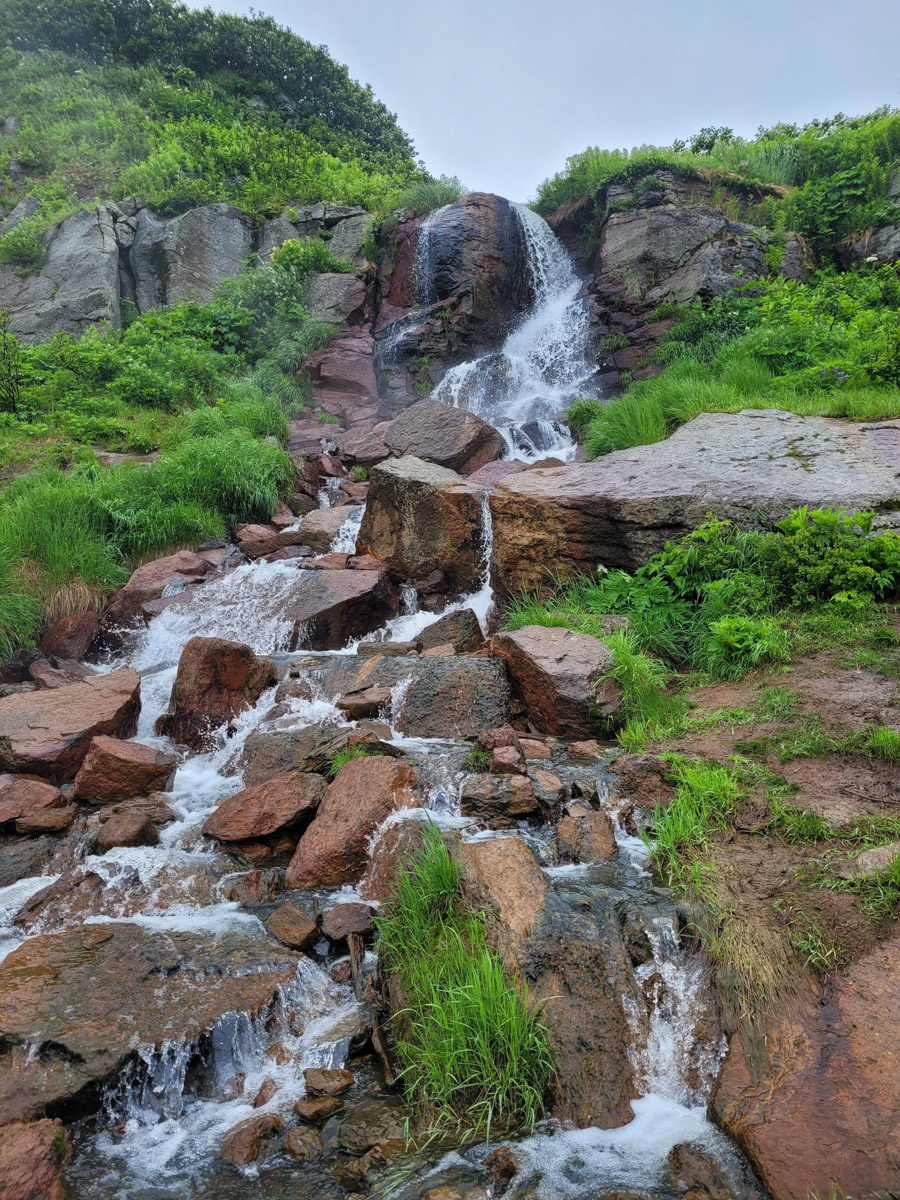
(161, 1123)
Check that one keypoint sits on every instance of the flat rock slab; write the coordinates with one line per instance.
(75, 1006)
(48, 732)
(621, 509)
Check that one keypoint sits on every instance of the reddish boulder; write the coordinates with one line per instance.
(327, 1081)
(32, 1157)
(363, 446)
(317, 1109)
(460, 628)
(71, 636)
(365, 792)
(495, 797)
(367, 703)
(642, 780)
(440, 433)
(585, 835)
(252, 1140)
(257, 540)
(21, 796)
(47, 820)
(150, 581)
(117, 770)
(216, 681)
(280, 803)
(48, 733)
(303, 1144)
(342, 920)
(330, 608)
(291, 925)
(126, 829)
(562, 676)
(57, 672)
(493, 472)
(320, 527)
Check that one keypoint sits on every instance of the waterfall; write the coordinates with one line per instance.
(543, 363)
(425, 258)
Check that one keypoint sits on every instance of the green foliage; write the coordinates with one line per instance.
(879, 892)
(429, 194)
(881, 742)
(24, 245)
(706, 795)
(474, 1053)
(820, 952)
(341, 757)
(476, 760)
(828, 348)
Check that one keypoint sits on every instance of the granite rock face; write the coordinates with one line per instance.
(187, 257)
(621, 509)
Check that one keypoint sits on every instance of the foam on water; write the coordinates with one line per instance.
(11, 900)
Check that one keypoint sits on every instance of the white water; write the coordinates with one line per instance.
(543, 363)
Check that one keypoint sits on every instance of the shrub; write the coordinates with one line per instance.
(474, 1053)
(24, 245)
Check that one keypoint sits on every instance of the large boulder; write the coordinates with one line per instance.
(116, 770)
(335, 298)
(562, 676)
(422, 518)
(78, 284)
(343, 374)
(150, 581)
(621, 509)
(216, 680)
(21, 797)
(282, 802)
(461, 629)
(569, 949)
(70, 637)
(48, 733)
(319, 528)
(819, 1113)
(92, 996)
(333, 850)
(439, 433)
(187, 257)
(126, 829)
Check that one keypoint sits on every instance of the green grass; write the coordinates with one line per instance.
(820, 952)
(342, 757)
(476, 760)
(879, 893)
(474, 1053)
(429, 194)
(706, 795)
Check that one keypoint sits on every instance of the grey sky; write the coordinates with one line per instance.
(501, 93)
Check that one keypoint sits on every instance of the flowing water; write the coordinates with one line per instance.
(543, 364)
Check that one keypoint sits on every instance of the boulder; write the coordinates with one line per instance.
(492, 472)
(89, 996)
(48, 733)
(585, 835)
(819, 1114)
(32, 1157)
(882, 244)
(21, 796)
(618, 511)
(282, 802)
(319, 528)
(439, 433)
(333, 850)
(47, 820)
(251, 1140)
(150, 581)
(351, 917)
(257, 540)
(461, 628)
(57, 672)
(126, 829)
(116, 770)
(331, 608)
(267, 752)
(348, 236)
(337, 299)
(453, 698)
(291, 925)
(187, 257)
(364, 447)
(496, 798)
(375, 1121)
(367, 703)
(344, 372)
(71, 636)
(563, 677)
(569, 949)
(317, 1109)
(76, 287)
(327, 1081)
(216, 681)
(422, 518)
(254, 887)
(302, 1144)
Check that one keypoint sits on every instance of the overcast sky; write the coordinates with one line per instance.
(501, 93)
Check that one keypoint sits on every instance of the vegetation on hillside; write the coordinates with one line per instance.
(474, 1053)
(830, 347)
(204, 383)
(183, 107)
(825, 180)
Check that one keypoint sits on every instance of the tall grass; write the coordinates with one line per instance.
(429, 195)
(474, 1053)
(706, 795)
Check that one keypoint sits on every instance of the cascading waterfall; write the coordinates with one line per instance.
(542, 365)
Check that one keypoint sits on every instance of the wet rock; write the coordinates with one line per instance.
(90, 995)
(126, 829)
(77, 285)
(343, 372)
(187, 257)
(267, 1090)
(21, 796)
(154, 808)
(563, 677)
(282, 802)
(57, 672)
(258, 540)
(421, 518)
(303, 1144)
(571, 953)
(255, 887)
(47, 820)
(330, 608)
(23, 857)
(327, 1081)
(493, 797)
(320, 527)
(367, 703)
(150, 581)
(491, 473)
(337, 299)
(364, 447)
(820, 1111)
(642, 780)
(48, 733)
(460, 628)
(116, 770)
(342, 920)
(316, 1110)
(71, 636)
(216, 681)
(454, 697)
(586, 749)
(585, 835)
(507, 760)
(252, 1140)
(291, 925)
(373, 1122)
(620, 510)
(396, 843)
(443, 651)
(548, 788)
(32, 1157)
(503, 1167)
(532, 748)
(333, 850)
(695, 1173)
(439, 433)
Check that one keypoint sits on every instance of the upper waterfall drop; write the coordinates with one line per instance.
(543, 363)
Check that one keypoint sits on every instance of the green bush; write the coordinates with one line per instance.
(24, 245)
(474, 1053)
